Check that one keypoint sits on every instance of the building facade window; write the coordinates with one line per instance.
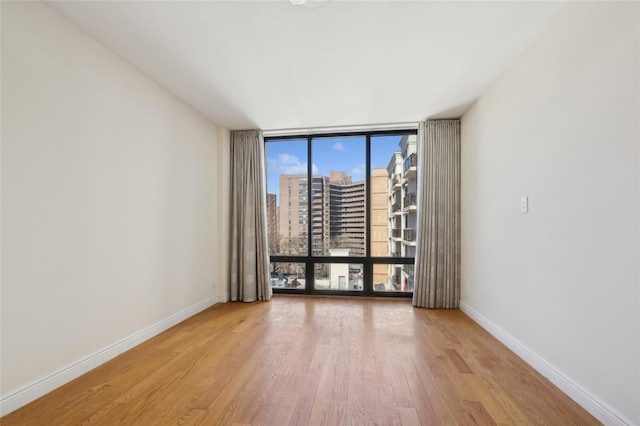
(348, 202)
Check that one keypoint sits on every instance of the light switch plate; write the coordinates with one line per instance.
(524, 204)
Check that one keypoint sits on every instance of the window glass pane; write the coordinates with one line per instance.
(393, 195)
(338, 203)
(338, 276)
(392, 277)
(287, 195)
(287, 275)
(316, 209)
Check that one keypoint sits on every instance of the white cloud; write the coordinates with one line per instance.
(285, 164)
(338, 147)
(358, 171)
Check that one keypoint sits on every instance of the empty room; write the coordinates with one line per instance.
(320, 212)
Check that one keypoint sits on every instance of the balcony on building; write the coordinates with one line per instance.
(409, 236)
(396, 207)
(409, 166)
(396, 182)
(410, 202)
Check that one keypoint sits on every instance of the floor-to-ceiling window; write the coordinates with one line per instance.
(341, 211)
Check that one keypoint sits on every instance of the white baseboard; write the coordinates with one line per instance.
(35, 390)
(599, 409)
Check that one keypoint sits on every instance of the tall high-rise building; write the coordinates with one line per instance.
(294, 215)
(320, 215)
(337, 216)
(347, 223)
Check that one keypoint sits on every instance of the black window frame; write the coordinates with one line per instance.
(309, 260)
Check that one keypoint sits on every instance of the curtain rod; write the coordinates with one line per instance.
(339, 129)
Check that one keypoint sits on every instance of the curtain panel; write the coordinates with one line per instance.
(437, 261)
(249, 252)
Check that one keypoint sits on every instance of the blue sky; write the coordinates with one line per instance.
(339, 154)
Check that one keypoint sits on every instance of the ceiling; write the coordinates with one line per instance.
(272, 65)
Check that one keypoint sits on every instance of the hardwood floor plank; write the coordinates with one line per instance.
(493, 406)
(303, 360)
(306, 399)
(422, 402)
(409, 416)
(284, 409)
(457, 360)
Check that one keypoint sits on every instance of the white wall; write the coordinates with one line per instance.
(112, 208)
(561, 125)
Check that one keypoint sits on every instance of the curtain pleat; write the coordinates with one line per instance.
(249, 250)
(437, 262)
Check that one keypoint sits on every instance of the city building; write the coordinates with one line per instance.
(337, 214)
(402, 186)
(294, 215)
(338, 219)
(379, 224)
(347, 224)
(320, 215)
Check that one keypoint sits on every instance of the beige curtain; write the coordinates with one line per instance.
(437, 267)
(249, 253)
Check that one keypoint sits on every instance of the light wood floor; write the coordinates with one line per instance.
(301, 360)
